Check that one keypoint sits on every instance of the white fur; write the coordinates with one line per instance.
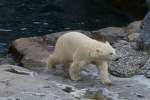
(76, 49)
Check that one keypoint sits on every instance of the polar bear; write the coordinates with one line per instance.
(76, 49)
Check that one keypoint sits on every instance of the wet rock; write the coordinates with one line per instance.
(14, 86)
(111, 34)
(130, 61)
(7, 60)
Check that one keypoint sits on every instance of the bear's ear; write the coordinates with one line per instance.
(107, 42)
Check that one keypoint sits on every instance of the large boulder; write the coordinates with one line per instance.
(7, 60)
(31, 52)
(111, 34)
(134, 27)
(130, 61)
(144, 39)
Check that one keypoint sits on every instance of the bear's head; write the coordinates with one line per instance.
(104, 51)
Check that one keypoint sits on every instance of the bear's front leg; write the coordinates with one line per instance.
(104, 74)
(75, 69)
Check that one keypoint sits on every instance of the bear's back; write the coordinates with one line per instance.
(68, 43)
(73, 39)
(74, 36)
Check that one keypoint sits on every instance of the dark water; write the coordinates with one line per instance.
(24, 18)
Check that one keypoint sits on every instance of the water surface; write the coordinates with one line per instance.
(24, 18)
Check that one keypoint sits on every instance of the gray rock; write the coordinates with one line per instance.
(15, 86)
(134, 27)
(32, 52)
(7, 60)
(111, 34)
(144, 39)
(130, 60)
(133, 30)
(133, 37)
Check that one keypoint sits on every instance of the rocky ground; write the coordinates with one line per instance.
(18, 83)
(41, 84)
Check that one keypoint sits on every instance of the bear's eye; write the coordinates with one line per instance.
(97, 50)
